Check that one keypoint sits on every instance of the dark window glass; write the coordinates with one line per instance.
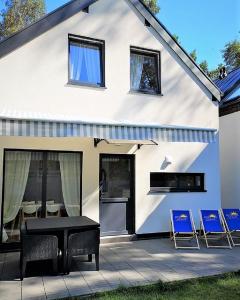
(170, 182)
(144, 72)
(39, 185)
(85, 63)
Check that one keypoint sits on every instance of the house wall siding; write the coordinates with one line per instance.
(34, 79)
(152, 210)
(229, 157)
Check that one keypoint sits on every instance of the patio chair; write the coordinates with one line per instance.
(232, 221)
(84, 243)
(29, 211)
(212, 225)
(37, 247)
(183, 228)
(53, 210)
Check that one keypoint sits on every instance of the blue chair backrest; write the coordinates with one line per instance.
(232, 217)
(211, 221)
(182, 221)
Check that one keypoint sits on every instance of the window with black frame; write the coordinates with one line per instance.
(39, 184)
(86, 61)
(145, 71)
(176, 182)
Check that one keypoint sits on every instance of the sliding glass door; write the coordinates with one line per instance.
(39, 184)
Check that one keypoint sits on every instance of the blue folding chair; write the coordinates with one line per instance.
(183, 228)
(213, 228)
(232, 221)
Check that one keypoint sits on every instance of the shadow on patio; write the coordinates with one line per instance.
(123, 264)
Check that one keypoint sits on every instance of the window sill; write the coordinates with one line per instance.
(145, 93)
(164, 191)
(79, 84)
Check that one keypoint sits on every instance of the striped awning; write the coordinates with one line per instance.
(121, 131)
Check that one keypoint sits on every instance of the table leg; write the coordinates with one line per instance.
(65, 242)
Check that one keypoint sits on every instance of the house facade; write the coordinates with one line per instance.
(103, 114)
(229, 138)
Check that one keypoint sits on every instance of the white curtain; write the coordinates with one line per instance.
(70, 165)
(16, 174)
(76, 60)
(137, 62)
(92, 60)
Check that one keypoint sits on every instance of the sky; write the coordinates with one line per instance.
(204, 25)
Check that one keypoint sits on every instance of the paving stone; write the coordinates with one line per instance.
(55, 287)
(76, 284)
(33, 288)
(121, 264)
(10, 290)
(95, 281)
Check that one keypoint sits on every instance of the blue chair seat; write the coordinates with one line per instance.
(232, 218)
(211, 221)
(182, 221)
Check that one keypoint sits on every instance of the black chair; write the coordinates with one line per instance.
(84, 243)
(37, 247)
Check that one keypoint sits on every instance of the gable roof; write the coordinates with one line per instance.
(229, 84)
(64, 12)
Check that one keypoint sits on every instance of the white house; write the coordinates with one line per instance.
(230, 138)
(104, 114)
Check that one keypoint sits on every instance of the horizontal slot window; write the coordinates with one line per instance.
(176, 182)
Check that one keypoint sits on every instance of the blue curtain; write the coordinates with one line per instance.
(85, 63)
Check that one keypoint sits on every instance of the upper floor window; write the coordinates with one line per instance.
(145, 71)
(86, 61)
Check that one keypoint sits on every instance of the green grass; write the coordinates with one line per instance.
(223, 287)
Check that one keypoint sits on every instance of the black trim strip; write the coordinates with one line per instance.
(229, 108)
(66, 11)
(149, 19)
(52, 19)
(15, 246)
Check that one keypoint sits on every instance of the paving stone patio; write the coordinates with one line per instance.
(123, 264)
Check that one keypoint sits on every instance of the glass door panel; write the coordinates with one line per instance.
(54, 197)
(116, 194)
(37, 185)
(22, 191)
(63, 184)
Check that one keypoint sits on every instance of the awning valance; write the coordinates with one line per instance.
(112, 131)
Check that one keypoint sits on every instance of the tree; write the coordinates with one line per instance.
(204, 66)
(215, 72)
(19, 14)
(176, 38)
(152, 5)
(231, 54)
(193, 55)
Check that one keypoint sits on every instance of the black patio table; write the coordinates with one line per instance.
(62, 225)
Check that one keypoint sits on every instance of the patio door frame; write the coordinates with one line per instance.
(131, 213)
(8, 247)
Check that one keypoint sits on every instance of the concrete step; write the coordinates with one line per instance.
(117, 239)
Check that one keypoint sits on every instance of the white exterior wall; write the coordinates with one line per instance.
(152, 210)
(34, 79)
(230, 162)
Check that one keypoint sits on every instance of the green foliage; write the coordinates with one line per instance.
(223, 287)
(231, 54)
(19, 14)
(215, 73)
(176, 38)
(193, 55)
(204, 66)
(152, 5)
